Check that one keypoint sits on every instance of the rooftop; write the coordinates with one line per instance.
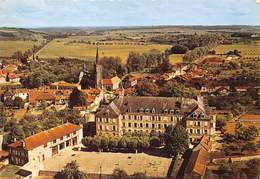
(44, 137)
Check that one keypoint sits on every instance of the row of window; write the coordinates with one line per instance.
(18, 153)
(153, 118)
(198, 123)
(107, 128)
(61, 138)
(198, 131)
(147, 125)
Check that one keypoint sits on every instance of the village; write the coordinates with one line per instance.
(111, 115)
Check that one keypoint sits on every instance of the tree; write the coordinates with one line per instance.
(147, 88)
(77, 98)
(113, 143)
(253, 168)
(119, 174)
(2, 116)
(18, 102)
(179, 49)
(123, 142)
(176, 139)
(71, 171)
(132, 144)
(138, 175)
(155, 141)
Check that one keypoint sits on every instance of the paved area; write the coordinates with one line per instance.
(95, 162)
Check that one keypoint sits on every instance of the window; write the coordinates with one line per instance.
(100, 127)
(171, 111)
(198, 123)
(74, 132)
(135, 117)
(165, 111)
(123, 124)
(129, 124)
(147, 110)
(141, 125)
(159, 126)
(205, 131)
(206, 124)
(165, 126)
(159, 118)
(135, 125)
(68, 135)
(114, 128)
(153, 117)
(147, 125)
(172, 118)
(45, 145)
(198, 131)
(153, 126)
(54, 141)
(191, 131)
(141, 117)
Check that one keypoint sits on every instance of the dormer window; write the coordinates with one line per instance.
(171, 111)
(177, 111)
(153, 110)
(147, 110)
(165, 111)
(194, 115)
(141, 110)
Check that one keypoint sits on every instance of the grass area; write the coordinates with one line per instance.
(8, 171)
(176, 58)
(8, 47)
(247, 50)
(61, 47)
(19, 114)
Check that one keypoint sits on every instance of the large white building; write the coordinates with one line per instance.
(32, 151)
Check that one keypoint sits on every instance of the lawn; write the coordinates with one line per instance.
(7, 48)
(61, 47)
(247, 50)
(176, 58)
(91, 162)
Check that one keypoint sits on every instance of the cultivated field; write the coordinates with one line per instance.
(247, 50)
(176, 58)
(65, 48)
(91, 162)
(7, 48)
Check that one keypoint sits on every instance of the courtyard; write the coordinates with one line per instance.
(106, 162)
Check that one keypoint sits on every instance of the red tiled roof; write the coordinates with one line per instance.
(250, 117)
(107, 82)
(44, 137)
(40, 95)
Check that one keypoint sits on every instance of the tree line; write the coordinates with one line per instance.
(174, 141)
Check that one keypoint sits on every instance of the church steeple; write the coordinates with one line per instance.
(97, 56)
(98, 71)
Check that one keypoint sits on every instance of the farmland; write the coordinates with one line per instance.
(65, 48)
(247, 50)
(8, 47)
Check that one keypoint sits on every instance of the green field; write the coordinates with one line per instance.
(65, 48)
(7, 48)
(247, 50)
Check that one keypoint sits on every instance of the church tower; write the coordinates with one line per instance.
(98, 70)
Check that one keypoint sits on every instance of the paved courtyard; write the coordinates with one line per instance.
(94, 162)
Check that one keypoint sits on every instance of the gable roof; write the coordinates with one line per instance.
(44, 137)
(255, 117)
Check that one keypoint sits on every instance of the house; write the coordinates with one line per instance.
(250, 120)
(146, 114)
(33, 150)
(111, 84)
(199, 159)
(241, 89)
(62, 85)
(200, 122)
(36, 97)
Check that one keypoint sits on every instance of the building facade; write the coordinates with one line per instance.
(32, 151)
(147, 114)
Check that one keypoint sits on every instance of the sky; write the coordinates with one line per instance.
(59, 13)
